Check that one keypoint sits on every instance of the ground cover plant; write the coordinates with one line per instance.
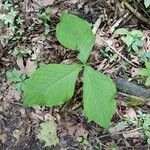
(54, 84)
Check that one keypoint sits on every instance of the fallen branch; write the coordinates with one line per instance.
(136, 13)
(132, 90)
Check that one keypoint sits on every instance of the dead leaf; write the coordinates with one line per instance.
(132, 134)
(48, 117)
(130, 113)
(43, 3)
(118, 127)
(54, 10)
(29, 68)
(135, 59)
(76, 130)
(17, 135)
(74, 1)
(134, 71)
(3, 138)
(101, 65)
(38, 4)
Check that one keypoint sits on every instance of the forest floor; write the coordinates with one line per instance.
(28, 40)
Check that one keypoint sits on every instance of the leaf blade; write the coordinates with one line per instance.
(76, 34)
(147, 82)
(98, 105)
(146, 3)
(51, 85)
(136, 33)
(128, 40)
(121, 31)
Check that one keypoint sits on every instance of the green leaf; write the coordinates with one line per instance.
(128, 40)
(121, 31)
(143, 72)
(147, 3)
(147, 64)
(48, 133)
(135, 48)
(13, 76)
(147, 81)
(136, 33)
(51, 85)
(98, 96)
(76, 34)
(139, 42)
(147, 54)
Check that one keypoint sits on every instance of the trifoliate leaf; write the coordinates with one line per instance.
(76, 34)
(98, 97)
(51, 85)
(121, 31)
(48, 133)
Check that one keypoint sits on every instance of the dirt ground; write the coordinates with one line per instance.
(19, 126)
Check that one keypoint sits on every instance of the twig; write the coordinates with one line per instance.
(133, 130)
(136, 13)
(96, 25)
(121, 55)
(116, 24)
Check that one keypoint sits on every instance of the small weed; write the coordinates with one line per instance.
(20, 52)
(131, 39)
(44, 18)
(134, 43)
(12, 22)
(48, 133)
(15, 77)
(142, 121)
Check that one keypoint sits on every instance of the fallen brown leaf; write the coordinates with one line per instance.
(130, 113)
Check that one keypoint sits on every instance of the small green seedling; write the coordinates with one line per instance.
(132, 38)
(9, 17)
(54, 84)
(146, 72)
(44, 18)
(48, 133)
(20, 52)
(15, 77)
(142, 122)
